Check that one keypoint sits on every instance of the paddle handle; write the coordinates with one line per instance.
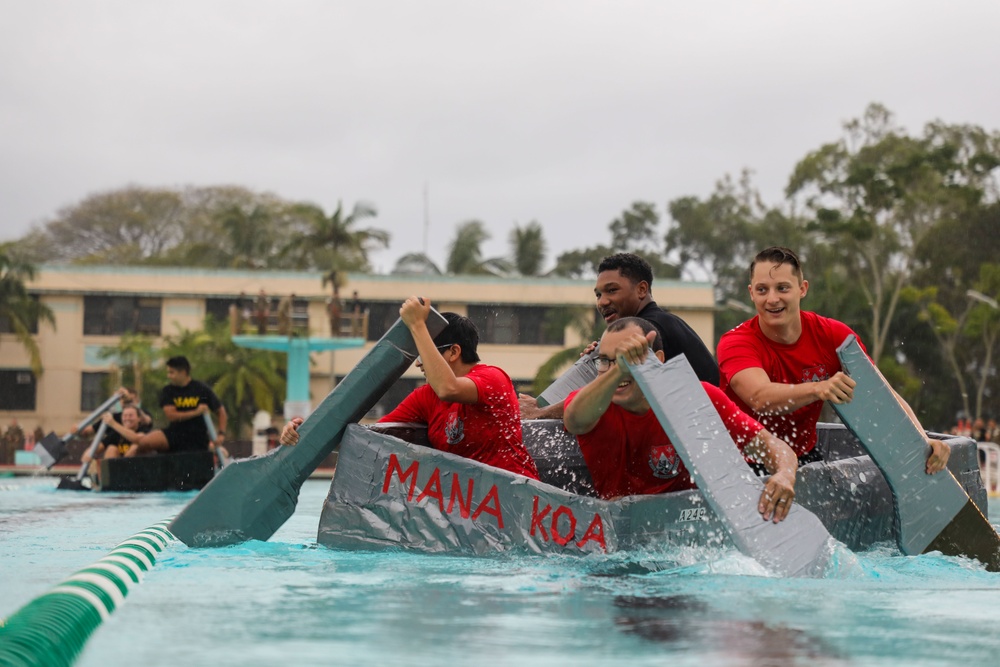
(94, 444)
(212, 435)
(581, 373)
(94, 416)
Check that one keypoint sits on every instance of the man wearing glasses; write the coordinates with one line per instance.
(470, 408)
(626, 449)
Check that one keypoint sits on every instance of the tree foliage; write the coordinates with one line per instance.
(19, 311)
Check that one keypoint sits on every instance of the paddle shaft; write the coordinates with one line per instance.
(94, 444)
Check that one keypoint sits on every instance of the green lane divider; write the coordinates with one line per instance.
(52, 629)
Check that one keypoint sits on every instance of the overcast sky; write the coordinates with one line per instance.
(508, 112)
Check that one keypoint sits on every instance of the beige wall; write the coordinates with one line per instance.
(183, 293)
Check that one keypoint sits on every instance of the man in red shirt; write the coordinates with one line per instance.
(782, 364)
(626, 449)
(470, 408)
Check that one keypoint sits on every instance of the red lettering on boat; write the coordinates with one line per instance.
(484, 506)
(433, 490)
(563, 539)
(536, 519)
(403, 475)
(595, 532)
(464, 504)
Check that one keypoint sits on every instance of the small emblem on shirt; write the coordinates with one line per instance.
(664, 462)
(454, 429)
(815, 374)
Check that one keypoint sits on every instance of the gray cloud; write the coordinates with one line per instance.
(559, 112)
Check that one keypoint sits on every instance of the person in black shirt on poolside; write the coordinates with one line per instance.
(184, 401)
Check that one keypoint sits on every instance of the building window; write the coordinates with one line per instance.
(117, 315)
(518, 325)
(95, 388)
(17, 389)
(5, 324)
(218, 309)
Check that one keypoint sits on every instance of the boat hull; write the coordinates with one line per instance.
(389, 491)
(181, 471)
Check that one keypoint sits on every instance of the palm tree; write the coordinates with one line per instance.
(332, 241)
(465, 256)
(135, 356)
(528, 248)
(245, 380)
(251, 236)
(20, 313)
(416, 264)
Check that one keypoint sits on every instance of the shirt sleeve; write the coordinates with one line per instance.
(742, 427)
(737, 351)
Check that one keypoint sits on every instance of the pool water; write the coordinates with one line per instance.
(290, 602)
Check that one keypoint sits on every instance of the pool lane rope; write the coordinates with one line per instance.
(53, 628)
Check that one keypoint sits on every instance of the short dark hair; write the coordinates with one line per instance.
(179, 363)
(779, 255)
(646, 326)
(463, 332)
(631, 266)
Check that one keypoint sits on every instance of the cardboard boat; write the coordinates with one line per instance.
(390, 490)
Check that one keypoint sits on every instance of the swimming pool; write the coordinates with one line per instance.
(288, 601)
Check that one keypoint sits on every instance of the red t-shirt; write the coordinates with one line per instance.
(488, 431)
(630, 454)
(813, 358)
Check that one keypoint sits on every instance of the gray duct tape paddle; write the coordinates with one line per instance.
(78, 483)
(934, 512)
(251, 498)
(799, 546)
(581, 373)
(51, 448)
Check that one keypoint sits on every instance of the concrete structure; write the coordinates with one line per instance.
(93, 305)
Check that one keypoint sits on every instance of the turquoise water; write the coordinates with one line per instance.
(288, 601)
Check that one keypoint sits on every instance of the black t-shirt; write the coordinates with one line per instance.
(188, 398)
(679, 338)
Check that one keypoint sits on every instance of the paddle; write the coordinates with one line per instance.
(581, 373)
(53, 447)
(933, 511)
(220, 451)
(799, 546)
(76, 483)
(252, 498)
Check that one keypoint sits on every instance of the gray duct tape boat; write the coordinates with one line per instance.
(390, 490)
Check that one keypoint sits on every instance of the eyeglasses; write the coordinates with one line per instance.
(442, 348)
(604, 364)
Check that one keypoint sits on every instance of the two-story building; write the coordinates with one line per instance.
(521, 321)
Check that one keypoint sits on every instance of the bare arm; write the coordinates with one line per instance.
(440, 377)
(591, 402)
(940, 451)
(763, 396)
(530, 409)
(223, 417)
(780, 461)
